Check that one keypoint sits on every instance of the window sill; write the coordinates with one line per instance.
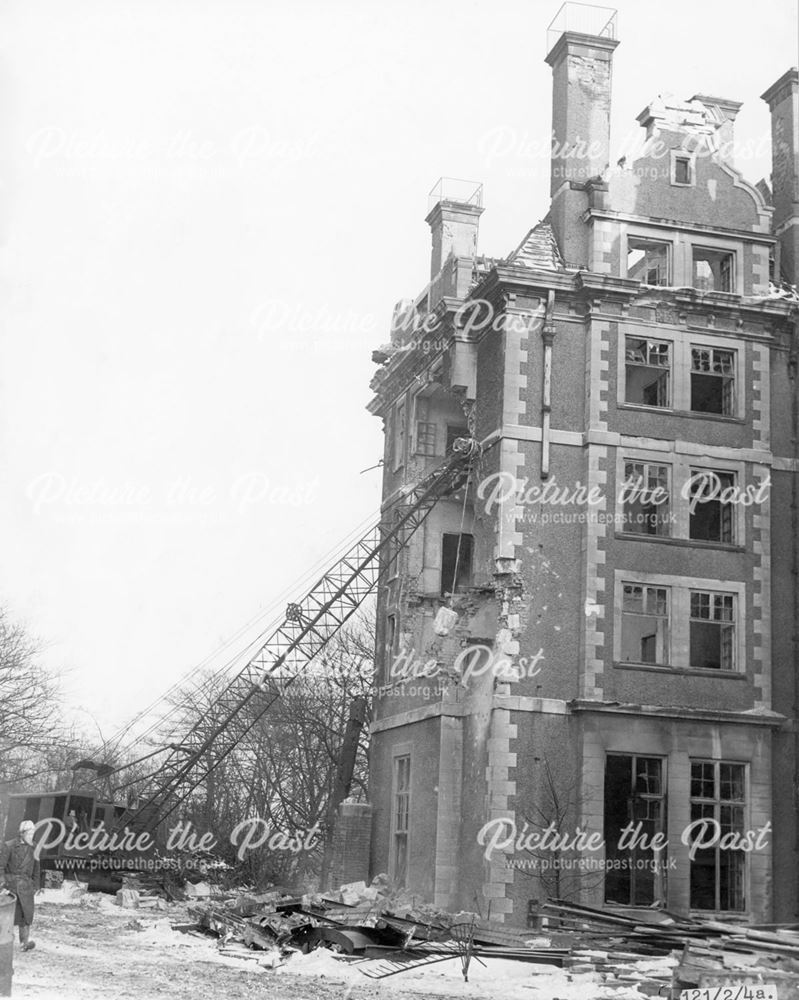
(682, 671)
(691, 543)
(691, 414)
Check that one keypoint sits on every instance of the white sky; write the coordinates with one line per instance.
(210, 208)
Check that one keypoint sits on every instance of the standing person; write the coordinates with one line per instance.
(19, 868)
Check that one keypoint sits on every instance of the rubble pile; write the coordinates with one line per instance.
(382, 933)
(707, 954)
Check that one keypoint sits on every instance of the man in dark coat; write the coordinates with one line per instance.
(19, 868)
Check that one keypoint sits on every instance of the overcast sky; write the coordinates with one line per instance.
(209, 210)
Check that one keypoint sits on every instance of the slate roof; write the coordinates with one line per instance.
(538, 250)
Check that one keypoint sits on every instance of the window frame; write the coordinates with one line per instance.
(664, 507)
(668, 369)
(431, 432)
(718, 802)
(401, 752)
(723, 625)
(681, 155)
(727, 510)
(681, 343)
(399, 435)
(662, 798)
(679, 623)
(653, 241)
(727, 379)
(625, 612)
(728, 256)
(389, 644)
(682, 466)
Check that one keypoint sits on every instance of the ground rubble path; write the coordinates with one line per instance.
(95, 950)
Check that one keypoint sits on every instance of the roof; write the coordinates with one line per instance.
(538, 250)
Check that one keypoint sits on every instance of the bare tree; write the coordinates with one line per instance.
(284, 769)
(561, 873)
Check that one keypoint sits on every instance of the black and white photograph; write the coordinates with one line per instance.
(399, 500)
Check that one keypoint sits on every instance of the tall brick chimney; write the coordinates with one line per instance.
(581, 56)
(782, 98)
(453, 220)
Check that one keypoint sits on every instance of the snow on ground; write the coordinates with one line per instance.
(91, 948)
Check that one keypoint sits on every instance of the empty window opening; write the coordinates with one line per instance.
(713, 381)
(455, 431)
(718, 793)
(711, 508)
(648, 261)
(396, 543)
(391, 632)
(712, 628)
(645, 624)
(683, 172)
(399, 436)
(456, 563)
(646, 498)
(634, 793)
(648, 367)
(713, 270)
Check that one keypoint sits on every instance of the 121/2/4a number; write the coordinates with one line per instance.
(763, 991)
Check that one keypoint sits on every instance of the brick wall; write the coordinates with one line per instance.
(351, 842)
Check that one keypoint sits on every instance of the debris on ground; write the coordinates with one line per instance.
(371, 932)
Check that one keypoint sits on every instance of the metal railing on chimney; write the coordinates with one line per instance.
(585, 19)
(459, 191)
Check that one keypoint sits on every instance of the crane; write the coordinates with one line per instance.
(309, 624)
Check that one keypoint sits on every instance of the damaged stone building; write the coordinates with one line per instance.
(618, 577)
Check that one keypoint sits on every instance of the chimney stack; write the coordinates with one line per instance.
(582, 41)
(453, 220)
(782, 98)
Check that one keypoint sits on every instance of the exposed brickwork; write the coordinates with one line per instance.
(351, 843)
(555, 583)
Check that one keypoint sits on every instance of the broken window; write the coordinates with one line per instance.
(456, 563)
(713, 380)
(718, 794)
(645, 624)
(399, 435)
(646, 498)
(455, 431)
(683, 170)
(425, 437)
(648, 366)
(648, 261)
(400, 819)
(712, 628)
(634, 794)
(711, 507)
(713, 270)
